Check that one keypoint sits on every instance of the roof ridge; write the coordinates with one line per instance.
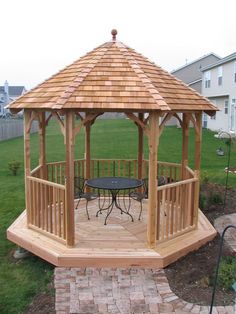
(79, 78)
(144, 78)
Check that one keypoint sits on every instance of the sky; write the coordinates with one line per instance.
(41, 37)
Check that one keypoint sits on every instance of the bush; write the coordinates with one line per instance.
(14, 166)
(227, 272)
(215, 198)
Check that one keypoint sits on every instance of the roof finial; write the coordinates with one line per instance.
(114, 33)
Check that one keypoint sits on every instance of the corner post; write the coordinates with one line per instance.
(87, 149)
(185, 140)
(198, 144)
(140, 148)
(27, 115)
(152, 180)
(69, 141)
(42, 145)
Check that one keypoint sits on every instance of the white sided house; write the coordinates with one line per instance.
(219, 86)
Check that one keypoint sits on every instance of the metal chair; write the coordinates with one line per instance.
(80, 193)
(139, 196)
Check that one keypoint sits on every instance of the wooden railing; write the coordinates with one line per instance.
(46, 207)
(177, 210)
(177, 200)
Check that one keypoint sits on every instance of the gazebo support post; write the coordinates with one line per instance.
(140, 147)
(185, 140)
(198, 143)
(87, 149)
(152, 179)
(69, 141)
(27, 115)
(42, 145)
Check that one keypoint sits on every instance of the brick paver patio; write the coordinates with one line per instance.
(118, 290)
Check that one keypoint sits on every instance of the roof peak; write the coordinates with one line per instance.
(114, 33)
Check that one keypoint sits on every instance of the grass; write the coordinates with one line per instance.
(20, 281)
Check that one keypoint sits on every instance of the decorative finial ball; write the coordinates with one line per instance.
(114, 33)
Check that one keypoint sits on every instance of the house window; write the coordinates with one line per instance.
(213, 117)
(235, 71)
(226, 108)
(220, 76)
(207, 79)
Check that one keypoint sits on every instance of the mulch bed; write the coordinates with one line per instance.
(191, 277)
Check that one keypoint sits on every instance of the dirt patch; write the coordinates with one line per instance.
(192, 276)
(43, 303)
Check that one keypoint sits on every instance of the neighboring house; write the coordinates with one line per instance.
(191, 73)
(219, 86)
(8, 94)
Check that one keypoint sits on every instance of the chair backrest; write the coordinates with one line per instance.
(145, 187)
(79, 184)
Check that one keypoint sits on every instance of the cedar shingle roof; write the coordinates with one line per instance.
(113, 77)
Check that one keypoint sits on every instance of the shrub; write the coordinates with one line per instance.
(202, 201)
(227, 272)
(14, 166)
(215, 198)
(205, 178)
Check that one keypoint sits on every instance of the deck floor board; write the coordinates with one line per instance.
(120, 243)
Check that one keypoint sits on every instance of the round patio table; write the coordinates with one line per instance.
(114, 185)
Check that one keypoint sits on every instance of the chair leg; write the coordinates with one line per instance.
(77, 204)
(141, 209)
(87, 210)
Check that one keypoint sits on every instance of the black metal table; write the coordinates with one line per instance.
(114, 185)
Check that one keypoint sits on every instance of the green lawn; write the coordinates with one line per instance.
(20, 281)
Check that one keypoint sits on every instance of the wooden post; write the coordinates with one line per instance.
(69, 140)
(87, 150)
(27, 114)
(185, 140)
(140, 148)
(198, 143)
(152, 180)
(42, 145)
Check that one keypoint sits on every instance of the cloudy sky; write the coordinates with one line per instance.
(40, 37)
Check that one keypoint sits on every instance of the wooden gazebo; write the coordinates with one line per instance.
(112, 78)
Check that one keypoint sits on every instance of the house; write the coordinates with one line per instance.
(219, 86)
(191, 73)
(8, 94)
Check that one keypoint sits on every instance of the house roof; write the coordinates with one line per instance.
(113, 77)
(13, 90)
(195, 61)
(224, 60)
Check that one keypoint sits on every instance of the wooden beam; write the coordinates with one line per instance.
(185, 141)
(61, 123)
(140, 147)
(152, 180)
(42, 144)
(69, 171)
(87, 149)
(198, 143)
(141, 123)
(178, 118)
(167, 117)
(27, 124)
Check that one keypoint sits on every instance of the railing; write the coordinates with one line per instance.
(46, 207)
(177, 201)
(177, 210)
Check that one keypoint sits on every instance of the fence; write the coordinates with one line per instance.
(11, 128)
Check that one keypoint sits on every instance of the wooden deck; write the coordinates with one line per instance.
(121, 243)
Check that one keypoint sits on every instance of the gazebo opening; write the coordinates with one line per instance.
(112, 78)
